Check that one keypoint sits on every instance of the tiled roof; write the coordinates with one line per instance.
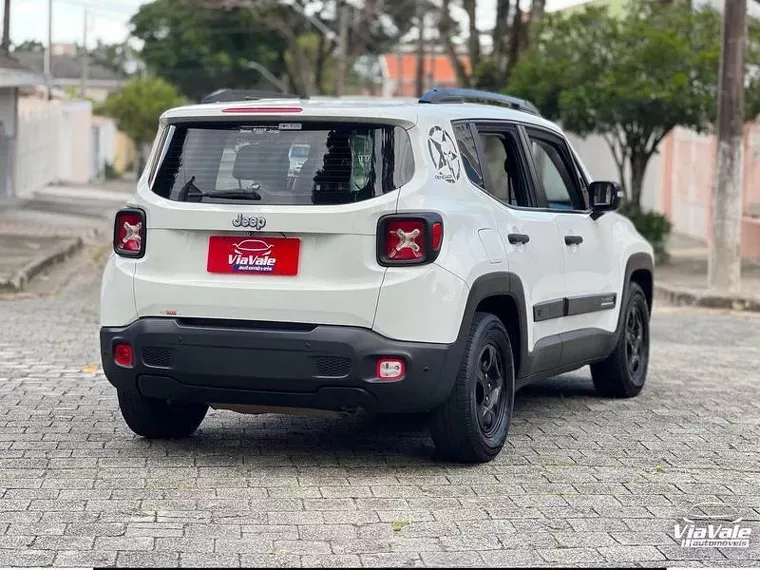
(440, 65)
(64, 66)
(439, 72)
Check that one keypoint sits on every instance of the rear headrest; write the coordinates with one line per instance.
(247, 163)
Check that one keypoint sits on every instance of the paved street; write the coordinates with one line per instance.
(584, 481)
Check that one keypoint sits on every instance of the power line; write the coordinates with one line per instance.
(110, 7)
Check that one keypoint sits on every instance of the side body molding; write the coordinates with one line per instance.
(552, 355)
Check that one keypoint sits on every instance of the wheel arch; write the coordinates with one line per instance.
(501, 294)
(639, 269)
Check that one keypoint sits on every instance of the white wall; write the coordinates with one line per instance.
(37, 146)
(55, 141)
(597, 157)
(105, 131)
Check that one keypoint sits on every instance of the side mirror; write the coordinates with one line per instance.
(604, 197)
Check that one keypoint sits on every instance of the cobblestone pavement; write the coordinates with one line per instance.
(583, 481)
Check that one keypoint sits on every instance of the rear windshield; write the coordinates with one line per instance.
(283, 163)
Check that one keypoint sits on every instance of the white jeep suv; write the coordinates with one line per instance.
(426, 256)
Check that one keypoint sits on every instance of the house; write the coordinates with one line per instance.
(398, 73)
(13, 76)
(66, 71)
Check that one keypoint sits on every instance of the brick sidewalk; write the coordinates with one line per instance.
(583, 481)
(47, 228)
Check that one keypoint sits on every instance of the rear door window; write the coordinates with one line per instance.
(303, 163)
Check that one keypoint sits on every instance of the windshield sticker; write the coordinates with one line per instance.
(443, 153)
(290, 126)
(361, 153)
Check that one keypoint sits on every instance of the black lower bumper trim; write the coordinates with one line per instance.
(319, 367)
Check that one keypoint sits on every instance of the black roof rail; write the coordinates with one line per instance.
(455, 95)
(230, 95)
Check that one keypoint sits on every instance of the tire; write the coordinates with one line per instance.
(623, 373)
(460, 429)
(160, 419)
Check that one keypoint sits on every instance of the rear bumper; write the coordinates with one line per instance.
(276, 364)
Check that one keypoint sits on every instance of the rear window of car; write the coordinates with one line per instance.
(298, 163)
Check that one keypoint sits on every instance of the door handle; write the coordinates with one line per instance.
(573, 240)
(518, 238)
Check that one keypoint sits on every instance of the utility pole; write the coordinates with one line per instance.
(432, 56)
(85, 60)
(49, 52)
(420, 75)
(340, 76)
(400, 65)
(6, 43)
(724, 264)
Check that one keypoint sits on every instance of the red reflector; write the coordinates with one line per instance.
(123, 356)
(405, 239)
(262, 110)
(390, 369)
(129, 233)
(437, 235)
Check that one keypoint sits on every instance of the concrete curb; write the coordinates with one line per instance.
(34, 267)
(680, 296)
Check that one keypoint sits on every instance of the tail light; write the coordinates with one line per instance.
(409, 239)
(129, 233)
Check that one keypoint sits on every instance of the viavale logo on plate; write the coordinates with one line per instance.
(252, 255)
(241, 255)
(713, 525)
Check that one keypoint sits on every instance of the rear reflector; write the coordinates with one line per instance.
(262, 110)
(437, 235)
(129, 233)
(389, 369)
(123, 355)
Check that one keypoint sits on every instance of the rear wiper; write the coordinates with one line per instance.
(239, 194)
(243, 193)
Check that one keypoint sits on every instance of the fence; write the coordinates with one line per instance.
(62, 142)
(680, 178)
(689, 180)
(38, 144)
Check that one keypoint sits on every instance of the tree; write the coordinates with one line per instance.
(137, 108)
(373, 26)
(512, 32)
(117, 57)
(631, 80)
(30, 45)
(201, 50)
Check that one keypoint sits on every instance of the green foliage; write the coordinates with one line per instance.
(630, 79)
(111, 172)
(201, 50)
(138, 106)
(653, 226)
(30, 45)
(116, 57)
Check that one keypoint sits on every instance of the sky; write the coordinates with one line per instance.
(108, 19)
